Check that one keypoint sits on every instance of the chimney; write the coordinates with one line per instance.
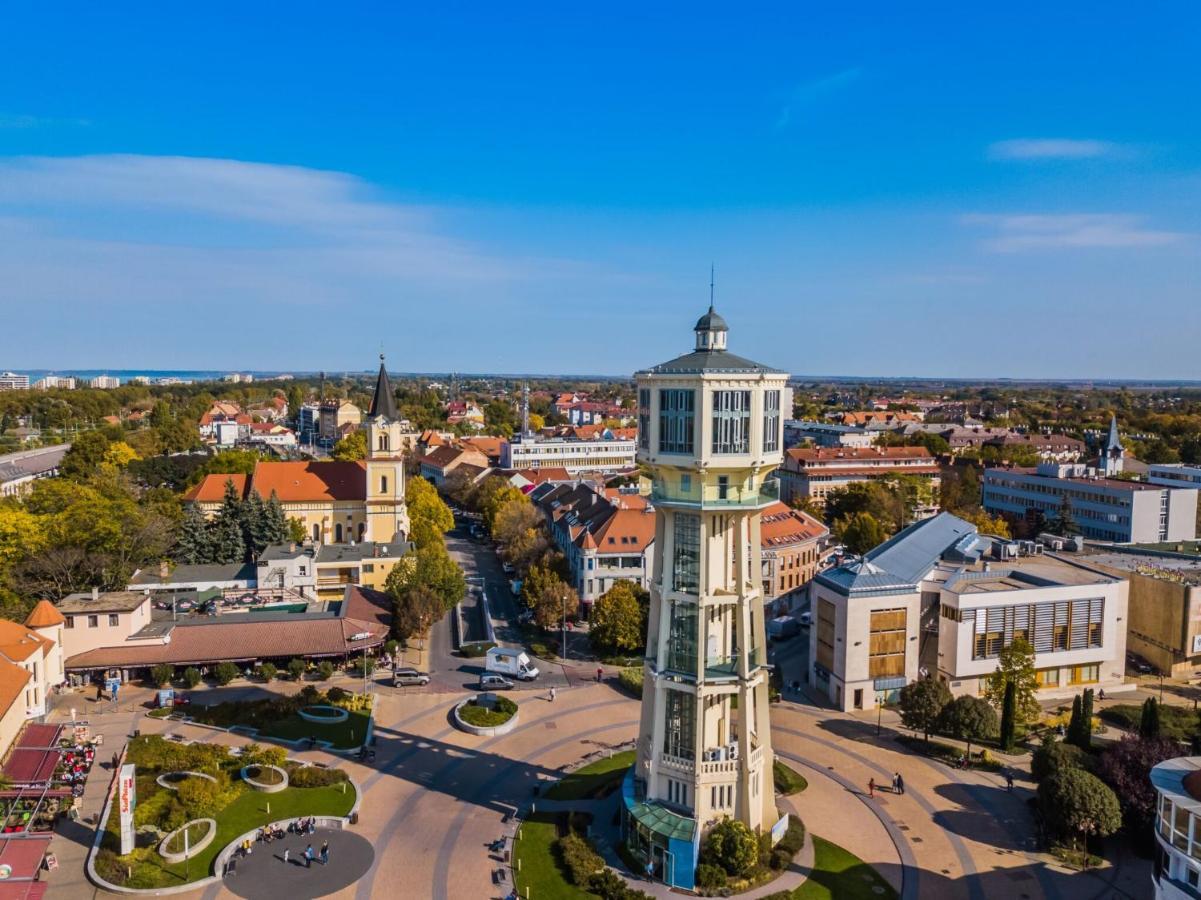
(95, 593)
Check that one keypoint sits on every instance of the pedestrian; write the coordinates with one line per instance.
(600, 673)
(308, 856)
(900, 783)
(325, 853)
(896, 788)
(1101, 696)
(871, 788)
(1009, 782)
(286, 851)
(116, 760)
(552, 693)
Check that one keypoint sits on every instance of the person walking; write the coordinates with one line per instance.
(871, 788)
(325, 853)
(1009, 782)
(900, 783)
(308, 856)
(552, 693)
(600, 674)
(286, 852)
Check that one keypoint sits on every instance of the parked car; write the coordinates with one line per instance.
(1138, 664)
(405, 676)
(507, 568)
(489, 682)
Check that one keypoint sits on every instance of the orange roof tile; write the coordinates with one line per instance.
(13, 679)
(307, 480)
(212, 488)
(18, 643)
(626, 530)
(781, 524)
(44, 615)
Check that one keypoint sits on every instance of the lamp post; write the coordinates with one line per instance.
(564, 625)
(879, 711)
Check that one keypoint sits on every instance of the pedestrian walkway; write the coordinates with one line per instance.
(263, 875)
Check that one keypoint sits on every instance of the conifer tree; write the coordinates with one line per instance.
(1073, 735)
(228, 545)
(1086, 721)
(276, 522)
(194, 544)
(1148, 726)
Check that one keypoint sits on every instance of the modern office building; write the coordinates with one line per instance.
(1105, 508)
(603, 454)
(1174, 474)
(711, 433)
(1177, 871)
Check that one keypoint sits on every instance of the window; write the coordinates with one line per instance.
(686, 484)
(70, 622)
(677, 411)
(644, 418)
(113, 620)
(383, 484)
(771, 421)
(886, 650)
(686, 555)
(731, 421)
(679, 724)
(682, 638)
(825, 634)
(1086, 674)
(723, 487)
(1047, 678)
(93, 621)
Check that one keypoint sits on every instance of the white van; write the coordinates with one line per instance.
(514, 663)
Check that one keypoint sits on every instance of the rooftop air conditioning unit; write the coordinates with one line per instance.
(732, 750)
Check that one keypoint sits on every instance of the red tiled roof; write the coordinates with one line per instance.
(13, 679)
(780, 525)
(832, 454)
(212, 488)
(44, 615)
(625, 531)
(308, 480)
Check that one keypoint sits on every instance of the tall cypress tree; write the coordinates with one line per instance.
(1148, 726)
(1086, 721)
(1073, 735)
(194, 544)
(1008, 716)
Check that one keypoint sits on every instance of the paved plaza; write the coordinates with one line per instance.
(263, 875)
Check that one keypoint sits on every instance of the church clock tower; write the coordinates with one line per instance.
(387, 516)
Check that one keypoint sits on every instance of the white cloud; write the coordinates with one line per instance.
(810, 91)
(1050, 148)
(1036, 232)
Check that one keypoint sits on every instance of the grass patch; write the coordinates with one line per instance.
(630, 680)
(839, 874)
(194, 831)
(1176, 722)
(264, 775)
(343, 735)
(276, 717)
(540, 874)
(593, 780)
(788, 781)
(484, 717)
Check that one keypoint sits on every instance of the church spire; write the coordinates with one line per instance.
(383, 402)
(1114, 442)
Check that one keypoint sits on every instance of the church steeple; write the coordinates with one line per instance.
(383, 403)
(1112, 457)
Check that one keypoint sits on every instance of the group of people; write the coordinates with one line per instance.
(309, 855)
(898, 785)
(307, 825)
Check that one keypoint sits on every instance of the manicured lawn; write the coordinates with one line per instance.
(593, 779)
(246, 812)
(788, 780)
(841, 875)
(539, 872)
(343, 735)
(483, 717)
(1176, 722)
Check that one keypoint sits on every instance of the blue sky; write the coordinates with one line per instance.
(917, 189)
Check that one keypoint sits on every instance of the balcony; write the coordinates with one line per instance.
(678, 764)
(711, 496)
(720, 668)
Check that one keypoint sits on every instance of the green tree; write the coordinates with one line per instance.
(1148, 726)
(733, 846)
(969, 719)
(860, 532)
(1015, 665)
(429, 517)
(1053, 755)
(191, 676)
(268, 671)
(194, 544)
(1064, 522)
(415, 608)
(432, 567)
(617, 621)
(1076, 803)
(1008, 717)
(325, 670)
(296, 667)
(84, 458)
(229, 545)
(549, 596)
(350, 448)
(162, 674)
(921, 704)
(1085, 736)
(225, 672)
(1074, 723)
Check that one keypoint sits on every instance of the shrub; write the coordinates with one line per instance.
(579, 860)
(191, 676)
(225, 672)
(1054, 756)
(200, 798)
(162, 674)
(710, 877)
(296, 668)
(161, 712)
(267, 672)
(314, 776)
(631, 680)
(609, 885)
(476, 650)
(733, 846)
(258, 755)
(336, 695)
(391, 646)
(325, 670)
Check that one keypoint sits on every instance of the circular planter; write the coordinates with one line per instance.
(170, 782)
(193, 849)
(263, 786)
(329, 715)
(489, 731)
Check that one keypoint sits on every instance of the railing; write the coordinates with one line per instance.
(712, 495)
(721, 667)
(719, 767)
(756, 757)
(677, 763)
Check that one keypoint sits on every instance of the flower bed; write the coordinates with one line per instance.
(266, 778)
(171, 848)
(486, 719)
(326, 715)
(280, 717)
(172, 780)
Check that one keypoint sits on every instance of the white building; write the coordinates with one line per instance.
(18, 471)
(105, 382)
(940, 599)
(55, 382)
(11, 381)
(1177, 872)
(605, 454)
(826, 434)
(1174, 475)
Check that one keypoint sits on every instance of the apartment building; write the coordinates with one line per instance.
(18, 471)
(55, 382)
(11, 381)
(1174, 474)
(105, 382)
(1106, 509)
(607, 453)
(811, 473)
(791, 551)
(826, 434)
(940, 599)
(333, 418)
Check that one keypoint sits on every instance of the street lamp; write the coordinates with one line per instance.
(879, 711)
(564, 625)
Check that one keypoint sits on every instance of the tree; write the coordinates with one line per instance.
(415, 608)
(296, 667)
(228, 543)
(194, 543)
(860, 532)
(1074, 726)
(268, 671)
(1085, 736)
(1064, 523)
(85, 456)
(1015, 665)
(1126, 767)
(1075, 802)
(162, 674)
(1053, 755)
(225, 672)
(350, 448)
(986, 524)
(432, 567)
(1148, 725)
(733, 846)
(617, 621)
(325, 670)
(191, 676)
(1008, 717)
(921, 704)
(429, 517)
(548, 596)
(119, 455)
(968, 719)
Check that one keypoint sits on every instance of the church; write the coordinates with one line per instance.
(336, 501)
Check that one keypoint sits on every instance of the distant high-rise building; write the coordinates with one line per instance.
(55, 382)
(11, 381)
(105, 382)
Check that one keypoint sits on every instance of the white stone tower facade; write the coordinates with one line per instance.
(711, 431)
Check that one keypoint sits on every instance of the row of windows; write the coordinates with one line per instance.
(93, 621)
(1179, 827)
(731, 421)
(1050, 627)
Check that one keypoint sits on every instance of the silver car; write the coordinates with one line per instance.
(402, 677)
